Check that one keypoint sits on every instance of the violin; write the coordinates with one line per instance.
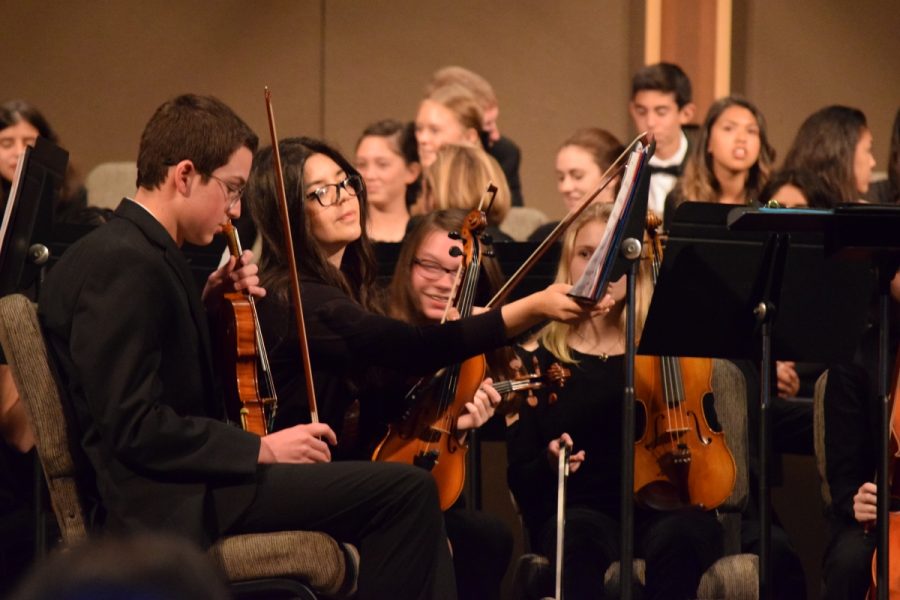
(679, 460)
(556, 376)
(893, 574)
(245, 356)
(428, 437)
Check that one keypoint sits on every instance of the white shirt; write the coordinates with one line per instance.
(662, 183)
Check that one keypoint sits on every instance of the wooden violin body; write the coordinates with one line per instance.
(245, 404)
(679, 461)
(243, 356)
(427, 438)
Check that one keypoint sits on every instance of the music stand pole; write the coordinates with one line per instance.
(631, 251)
(763, 312)
(775, 253)
(38, 255)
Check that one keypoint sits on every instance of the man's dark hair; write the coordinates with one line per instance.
(663, 77)
(201, 129)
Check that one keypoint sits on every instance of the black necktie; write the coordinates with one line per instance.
(673, 170)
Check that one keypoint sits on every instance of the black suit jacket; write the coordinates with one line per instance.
(507, 154)
(129, 335)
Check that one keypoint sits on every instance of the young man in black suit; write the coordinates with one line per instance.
(128, 330)
(661, 103)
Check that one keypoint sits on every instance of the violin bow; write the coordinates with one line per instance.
(292, 263)
(614, 170)
(562, 477)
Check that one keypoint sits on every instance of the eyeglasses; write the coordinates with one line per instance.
(232, 194)
(328, 193)
(432, 270)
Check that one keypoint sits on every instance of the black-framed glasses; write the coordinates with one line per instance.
(327, 194)
(232, 194)
(432, 270)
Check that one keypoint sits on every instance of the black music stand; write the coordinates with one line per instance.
(622, 260)
(865, 233)
(722, 293)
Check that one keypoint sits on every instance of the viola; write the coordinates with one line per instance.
(245, 357)
(427, 437)
(679, 460)
(556, 375)
(893, 575)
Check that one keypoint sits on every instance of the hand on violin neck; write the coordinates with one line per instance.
(865, 503)
(298, 444)
(555, 447)
(481, 408)
(234, 276)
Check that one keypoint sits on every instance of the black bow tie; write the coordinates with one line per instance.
(673, 170)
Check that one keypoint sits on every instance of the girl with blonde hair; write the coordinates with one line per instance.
(458, 178)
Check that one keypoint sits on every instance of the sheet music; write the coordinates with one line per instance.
(593, 281)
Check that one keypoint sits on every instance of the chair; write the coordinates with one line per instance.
(819, 434)
(108, 183)
(521, 221)
(735, 575)
(292, 564)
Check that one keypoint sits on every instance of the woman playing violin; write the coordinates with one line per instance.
(677, 546)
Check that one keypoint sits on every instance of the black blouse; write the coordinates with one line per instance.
(588, 408)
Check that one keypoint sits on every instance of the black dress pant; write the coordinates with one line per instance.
(482, 545)
(847, 567)
(389, 511)
(677, 547)
(788, 578)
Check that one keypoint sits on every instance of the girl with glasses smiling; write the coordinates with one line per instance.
(420, 289)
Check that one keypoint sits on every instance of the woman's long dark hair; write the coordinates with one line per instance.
(357, 272)
(826, 145)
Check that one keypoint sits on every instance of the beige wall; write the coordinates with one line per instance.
(99, 68)
(802, 55)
